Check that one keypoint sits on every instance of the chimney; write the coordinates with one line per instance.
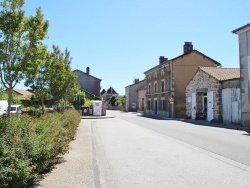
(162, 59)
(87, 70)
(188, 47)
(136, 80)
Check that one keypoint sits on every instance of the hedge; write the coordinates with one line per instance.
(30, 144)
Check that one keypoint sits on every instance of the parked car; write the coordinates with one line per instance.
(16, 108)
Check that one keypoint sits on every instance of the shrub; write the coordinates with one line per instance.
(28, 145)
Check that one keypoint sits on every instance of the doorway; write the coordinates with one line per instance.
(156, 106)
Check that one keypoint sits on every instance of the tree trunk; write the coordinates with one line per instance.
(10, 90)
(42, 98)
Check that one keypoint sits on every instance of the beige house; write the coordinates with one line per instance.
(214, 94)
(135, 96)
(166, 82)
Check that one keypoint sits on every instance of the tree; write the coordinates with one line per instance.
(38, 78)
(19, 38)
(120, 101)
(113, 100)
(63, 82)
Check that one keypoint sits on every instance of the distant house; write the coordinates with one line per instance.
(22, 94)
(89, 83)
(244, 53)
(166, 82)
(106, 95)
(214, 94)
(136, 96)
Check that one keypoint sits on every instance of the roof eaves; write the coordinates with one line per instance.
(240, 28)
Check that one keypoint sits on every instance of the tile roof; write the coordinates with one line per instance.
(22, 92)
(222, 74)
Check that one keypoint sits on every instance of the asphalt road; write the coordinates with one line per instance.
(134, 151)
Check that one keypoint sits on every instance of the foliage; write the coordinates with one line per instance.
(63, 82)
(3, 95)
(28, 145)
(82, 96)
(38, 78)
(89, 103)
(120, 101)
(19, 38)
(113, 100)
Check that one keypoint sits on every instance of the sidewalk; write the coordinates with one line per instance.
(77, 169)
(204, 123)
(219, 125)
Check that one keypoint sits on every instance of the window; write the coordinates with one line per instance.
(155, 88)
(162, 86)
(155, 75)
(149, 78)
(163, 104)
(149, 88)
(162, 73)
(149, 105)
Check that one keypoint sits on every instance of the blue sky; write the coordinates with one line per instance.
(120, 39)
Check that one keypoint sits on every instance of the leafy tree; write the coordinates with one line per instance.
(82, 96)
(120, 101)
(63, 82)
(38, 78)
(19, 38)
(3, 95)
(113, 100)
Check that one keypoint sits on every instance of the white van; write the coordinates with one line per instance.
(16, 108)
(3, 106)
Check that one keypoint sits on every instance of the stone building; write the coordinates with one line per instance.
(135, 96)
(89, 83)
(166, 82)
(244, 53)
(213, 94)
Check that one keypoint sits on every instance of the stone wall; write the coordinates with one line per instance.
(132, 96)
(200, 84)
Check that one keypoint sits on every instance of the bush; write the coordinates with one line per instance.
(28, 145)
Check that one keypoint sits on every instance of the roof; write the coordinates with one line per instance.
(23, 92)
(86, 74)
(181, 56)
(136, 83)
(103, 91)
(111, 90)
(241, 28)
(196, 51)
(222, 74)
(91, 94)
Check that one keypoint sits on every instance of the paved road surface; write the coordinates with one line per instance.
(132, 151)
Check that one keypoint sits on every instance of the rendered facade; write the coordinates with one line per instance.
(244, 53)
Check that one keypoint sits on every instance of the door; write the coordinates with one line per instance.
(231, 109)
(226, 105)
(156, 106)
(193, 105)
(210, 105)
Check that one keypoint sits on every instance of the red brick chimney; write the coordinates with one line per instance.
(136, 80)
(162, 59)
